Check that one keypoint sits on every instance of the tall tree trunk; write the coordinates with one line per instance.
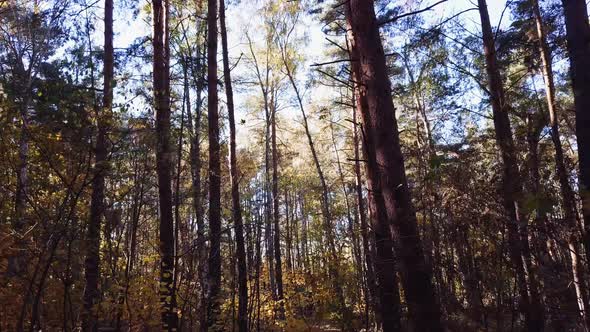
(578, 44)
(289, 230)
(268, 234)
(198, 75)
(258, 266)
(176, 280)
(372, 298)
(92, 261)
(387, 181)
(182, 230)
(164, 161)
(275, 208)
(569, 199)
(382, 265)
(304, 234)
(235, 178)
(214, 319)
(511, 184)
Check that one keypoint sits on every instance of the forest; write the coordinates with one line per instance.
(294, 165)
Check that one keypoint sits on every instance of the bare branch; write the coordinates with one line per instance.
(395, 18)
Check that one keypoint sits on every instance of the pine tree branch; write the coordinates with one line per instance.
(384, 21)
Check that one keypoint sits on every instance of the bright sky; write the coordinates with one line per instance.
(244, 14)
(134, 28)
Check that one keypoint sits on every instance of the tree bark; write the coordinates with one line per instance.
(275, 208)
(176, 280)
(372, 298)
(161, 77)
(235, 178)
(289, 235)
(390, 195)
(198, 75)
(268, 222)
(569, 199)
(511, 185)
(92, 262)
(214, 319)
(578, 45)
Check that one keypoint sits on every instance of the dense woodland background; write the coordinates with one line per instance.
(294, 165)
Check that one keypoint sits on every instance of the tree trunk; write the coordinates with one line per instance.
(569, 199)
(511, 185)
(268, 225)
(235, 178)
(164, 161)
(289, 229)
(372, 298)
(214, 319)
(304, 234)
(578, 44)
(387, 181)
(383, 266)
(258, 266)
(176, 280)
(198, 75)
(181, 230)
(275, 208)
(92, 261)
